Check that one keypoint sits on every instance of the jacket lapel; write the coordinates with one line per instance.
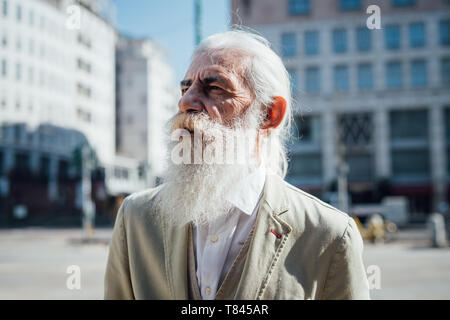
(176, 246)
(269, 239)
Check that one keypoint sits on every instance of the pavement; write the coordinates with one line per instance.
(35, 263)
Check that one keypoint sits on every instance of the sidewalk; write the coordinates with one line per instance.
(33, 265)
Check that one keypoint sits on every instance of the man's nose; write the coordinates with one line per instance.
(190, 102)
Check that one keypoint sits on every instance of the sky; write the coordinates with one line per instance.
(170, 23)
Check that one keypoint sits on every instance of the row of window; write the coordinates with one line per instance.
(357, 128)
(394, 76)
(29, 74)
(49, 80)
(43, 51)
(30, 105)
(409, 147)
(340, 42)
(20, 16)
(303, 7)
(52, 27)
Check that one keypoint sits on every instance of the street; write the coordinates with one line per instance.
(34, 264)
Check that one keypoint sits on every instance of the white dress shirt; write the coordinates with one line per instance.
(217, 245)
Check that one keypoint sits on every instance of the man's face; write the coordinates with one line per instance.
(215, 85)
(216, 104)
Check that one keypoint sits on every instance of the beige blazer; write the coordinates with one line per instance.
(317, 256)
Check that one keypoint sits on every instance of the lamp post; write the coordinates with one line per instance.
(87, 205)
(342, 172)
(197, 21)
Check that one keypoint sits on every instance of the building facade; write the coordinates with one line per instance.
(57, 93)
(380, 98)
(146, 98)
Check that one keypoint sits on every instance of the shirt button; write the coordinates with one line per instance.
(208, 291)
(214, 238)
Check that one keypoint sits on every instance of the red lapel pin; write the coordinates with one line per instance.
(278, 235)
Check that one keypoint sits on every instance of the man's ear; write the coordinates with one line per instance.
(275, 114)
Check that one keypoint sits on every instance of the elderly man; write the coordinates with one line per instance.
(230, 229)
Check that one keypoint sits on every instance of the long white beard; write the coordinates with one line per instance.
(197, 192)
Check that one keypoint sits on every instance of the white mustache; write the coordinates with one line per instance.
(191, 122)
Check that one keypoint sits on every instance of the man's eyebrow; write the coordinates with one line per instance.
(222, 80)
(208, 80)
(185, 83)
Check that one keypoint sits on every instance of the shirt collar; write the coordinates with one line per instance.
(246, 193)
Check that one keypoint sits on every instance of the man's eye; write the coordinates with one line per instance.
(183, 90)
(214, 88)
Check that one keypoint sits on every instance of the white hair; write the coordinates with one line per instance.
(267, 77)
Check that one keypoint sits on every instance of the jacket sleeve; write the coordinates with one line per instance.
(117, 277)
(346, 277)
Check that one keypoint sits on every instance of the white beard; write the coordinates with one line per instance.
(197, 192)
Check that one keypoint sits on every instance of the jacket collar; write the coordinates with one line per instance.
(275, 195)
(246, 193)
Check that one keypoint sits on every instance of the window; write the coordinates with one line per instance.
(288, 44)
(4, 40)
(4, 68)
(409, 145)
(403, 3)
(31, 46)
(356, 129)
(31, 18)
(408, 125)
(394, 75)
(297, 7)
(312, 80)
(306, 166)
(18, 44)
(5, 8)
(306, 162)
(2, 170)
(84, 90)
(339, 40)
(44, 165)
(19, 12)
(312, 43)
(447, 136)
(444, 32)
(309, 130)
(365, 76)
(445, 71)
(30, 75)
(348, 5)
(83, 65)
(18, 71)
(246, 4)
(417, 35)
(408, 164)
(294, 80)
(418, 73)
(392, 37)
(341, 81)
(363, 39)
(361, 167)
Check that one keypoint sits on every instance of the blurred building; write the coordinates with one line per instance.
(382, 94)
(57, 93)
(145, 99)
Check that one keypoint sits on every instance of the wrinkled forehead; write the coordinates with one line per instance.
(227, 61)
